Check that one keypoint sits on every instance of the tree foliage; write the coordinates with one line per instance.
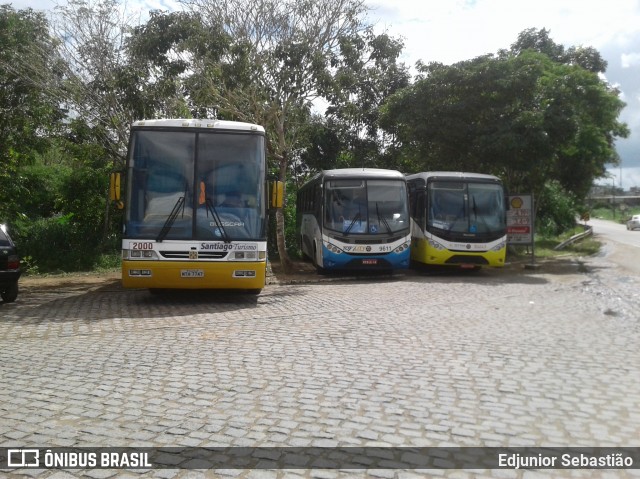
(102, 86)
(538, 114)
(367, 72)
(267, 61)
(54, 169)
(530, 115)
(30, 115)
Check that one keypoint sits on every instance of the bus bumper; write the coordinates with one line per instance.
(386, 261)
(194, 275)
(423, 253)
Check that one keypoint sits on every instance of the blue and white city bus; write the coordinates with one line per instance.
(355, 218)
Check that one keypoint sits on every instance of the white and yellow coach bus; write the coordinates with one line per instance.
(195, 206)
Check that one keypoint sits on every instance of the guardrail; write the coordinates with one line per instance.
(588, 231)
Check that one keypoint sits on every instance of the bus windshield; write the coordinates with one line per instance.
(462, 207)
(366, 206)
(195, 185)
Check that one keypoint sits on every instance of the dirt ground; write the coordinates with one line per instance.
(303, 272)
(70, 281)
(86, 281)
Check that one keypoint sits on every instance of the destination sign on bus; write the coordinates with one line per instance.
(228, 247)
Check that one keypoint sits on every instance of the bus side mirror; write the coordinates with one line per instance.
(114, 189)
(276, 194)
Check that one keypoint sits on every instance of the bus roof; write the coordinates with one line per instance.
(452, 175)
(362, 173)
(201, 123)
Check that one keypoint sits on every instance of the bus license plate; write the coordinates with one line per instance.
(191, 273)
(369, 261)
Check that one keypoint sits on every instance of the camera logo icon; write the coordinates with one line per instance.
(23, 457)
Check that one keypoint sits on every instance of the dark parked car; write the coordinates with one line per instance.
(9, 267)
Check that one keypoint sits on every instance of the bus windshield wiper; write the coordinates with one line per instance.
(353, 222)
(171, 219)
(214, 214)
(475, 214)
(382, 219)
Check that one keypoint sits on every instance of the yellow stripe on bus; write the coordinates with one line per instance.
(193, 274)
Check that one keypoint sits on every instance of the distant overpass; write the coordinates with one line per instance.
(616, 198)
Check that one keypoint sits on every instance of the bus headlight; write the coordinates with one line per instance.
(499, 246)
(139, 254)
(401, 248)
(436, 245)
(333, 248)
(245, 255)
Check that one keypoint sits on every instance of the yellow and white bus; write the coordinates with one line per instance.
(195, 205)
(457, 219)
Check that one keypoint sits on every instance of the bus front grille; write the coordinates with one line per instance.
(201, 254)
(462, 259)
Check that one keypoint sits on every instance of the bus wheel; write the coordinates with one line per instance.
(255, 291)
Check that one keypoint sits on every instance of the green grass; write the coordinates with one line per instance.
(620, 216)
(108, 262)
(544, 246)
(105, 263)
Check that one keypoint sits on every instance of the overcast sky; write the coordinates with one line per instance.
(449, 31)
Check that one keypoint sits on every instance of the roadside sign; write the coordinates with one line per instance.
(520, 219)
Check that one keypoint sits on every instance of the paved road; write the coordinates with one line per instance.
(513, 357)
(616, 232)
(620, 246)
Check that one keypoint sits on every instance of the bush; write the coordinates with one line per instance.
(291, 235)
(49, 243)
(71, 239)
(557, 210)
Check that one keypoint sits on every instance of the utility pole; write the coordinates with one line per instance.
(613, 196)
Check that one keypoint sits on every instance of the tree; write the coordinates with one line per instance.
(367, 73)
(267, 62)
(30, 109)
(582, 108)
(277, 63)
(103, 89)
(540, 41)
(323, 148)
(531, 115)
(168, 52)
(101, 84)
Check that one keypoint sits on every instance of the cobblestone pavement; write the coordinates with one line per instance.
(517, 357)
